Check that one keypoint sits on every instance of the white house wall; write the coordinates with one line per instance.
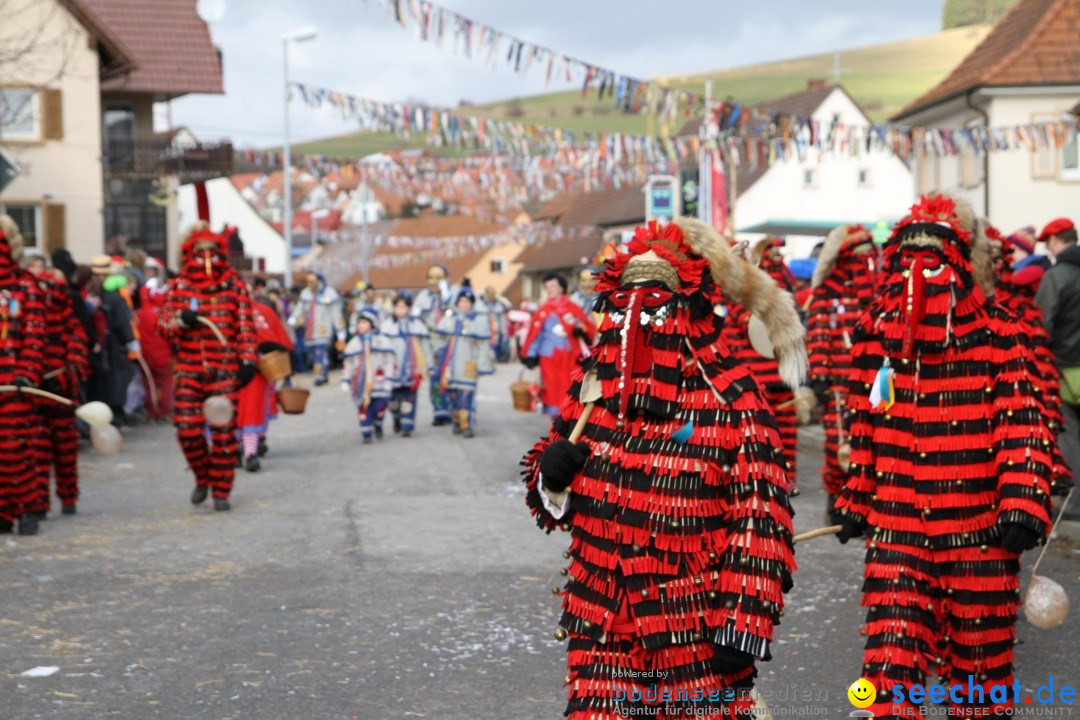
(781, 193)
(228, 206)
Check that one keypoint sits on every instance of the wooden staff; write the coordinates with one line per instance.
(37, 391)
(217, 331)
(582, 421)
(830, 530)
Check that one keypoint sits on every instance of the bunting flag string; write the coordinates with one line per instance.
(751, 135)
(473, 39)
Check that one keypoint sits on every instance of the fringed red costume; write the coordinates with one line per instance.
(22, 335)
(66, 365)
(842, 288)
(207, 288)
(678, 506)
(780, 396)
(950, 463)
(1015, 291)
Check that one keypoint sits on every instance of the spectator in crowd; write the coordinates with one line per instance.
(157, 354)
(114, 370)
(1059, 297)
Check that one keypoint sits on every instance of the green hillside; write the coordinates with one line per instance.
(882, 78)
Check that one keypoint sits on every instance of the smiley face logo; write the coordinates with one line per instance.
(862, 693)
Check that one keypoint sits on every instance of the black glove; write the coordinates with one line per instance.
(530, 362)
(731, 660)
(189, 318)
(21, 382)
(821, 391)
(561, 462)
(579, 332)
(1018, 538)
(267, 347)
(786, 583)
(245, 375)
(849, 529)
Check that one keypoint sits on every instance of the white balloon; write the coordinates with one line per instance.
(106, 439)
(218, 410)
(1046, 605)
(95, 413)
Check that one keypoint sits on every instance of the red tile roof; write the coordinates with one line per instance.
(1036, 43)
(174, 54)
(116, 57)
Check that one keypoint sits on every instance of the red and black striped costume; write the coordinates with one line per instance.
(1015, 292)
(681, 541)
(765, 370)
(22, 335)
(944, 476)
(204, 367)
(842, 288)
(65, 366)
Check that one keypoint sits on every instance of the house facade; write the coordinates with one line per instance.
(76, 121)
(1027, 70)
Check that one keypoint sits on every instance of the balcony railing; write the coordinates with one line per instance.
(158, 157)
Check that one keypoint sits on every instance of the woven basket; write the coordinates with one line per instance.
(275, 365)
(519, 389)
(293, 400)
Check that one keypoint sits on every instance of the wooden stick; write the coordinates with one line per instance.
(582, 421)
(55, 373)
(35, 391)
(830, 530)
(217, 331)
(149, 381)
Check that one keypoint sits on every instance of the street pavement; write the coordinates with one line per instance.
(403, 579)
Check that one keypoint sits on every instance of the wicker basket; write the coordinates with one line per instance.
(275, 365)
(293, 400)
(519, 389)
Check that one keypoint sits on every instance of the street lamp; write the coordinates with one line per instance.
(301, 35)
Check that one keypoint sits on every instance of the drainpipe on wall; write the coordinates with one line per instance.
(986, 155)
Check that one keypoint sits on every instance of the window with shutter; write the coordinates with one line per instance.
(53, 114)
(55, 228)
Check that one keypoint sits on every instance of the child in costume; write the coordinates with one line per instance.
(319, 316)
(431, 304)
(950, 464)
(676, 494)
(463, 346)
(256, 405)
(842, 289)
(207, 288)
(411, 345)
(368, 367)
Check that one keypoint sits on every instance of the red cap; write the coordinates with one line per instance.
(1054, 227)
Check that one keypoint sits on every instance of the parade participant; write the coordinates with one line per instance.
(464, 351)
(950, 464)
(409, 340)
(365, 300)
(585, 295)
(207, 288)
(256, 404)
(842, 288)
(156, 353)
(22, 335)
(495, 307)
(319, 315)
(368, 367)
(430, 305)
(676, 496)
(559, 336)
(65, 366)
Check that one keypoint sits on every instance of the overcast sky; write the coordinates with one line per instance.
(359, 51)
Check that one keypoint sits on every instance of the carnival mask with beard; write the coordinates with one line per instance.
(204, 258)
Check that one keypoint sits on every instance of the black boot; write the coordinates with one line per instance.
(28, 524)
(252, 463)
(397, 426)
(367, 440)
(406, 433)
(68, 509)
(198, 495)
(263, 449)
(6, 527)
(378, 432)
(468, 432)
(40, 514)
(222, 504)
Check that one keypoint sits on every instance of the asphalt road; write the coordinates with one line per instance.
(403, 579)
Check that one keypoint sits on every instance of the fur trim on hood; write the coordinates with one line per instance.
(752, 288)
(982, 259)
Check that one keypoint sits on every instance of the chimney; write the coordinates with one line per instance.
(815, 84)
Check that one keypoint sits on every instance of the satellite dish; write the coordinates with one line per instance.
(210, 10)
